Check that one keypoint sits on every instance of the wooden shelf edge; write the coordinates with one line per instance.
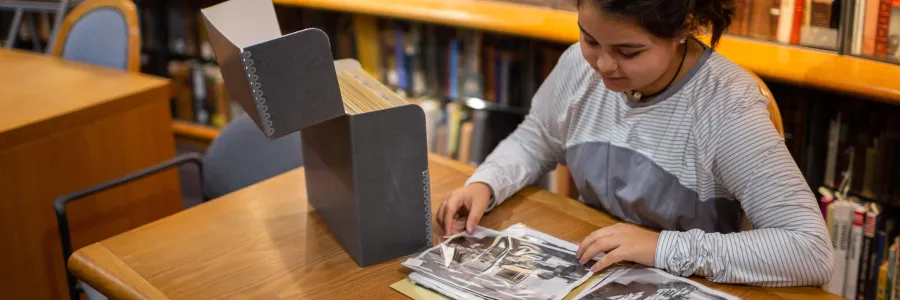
(196, 131)
(809, 67)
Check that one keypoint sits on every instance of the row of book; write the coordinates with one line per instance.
(876, 24)
(871, 27)
(865, 240)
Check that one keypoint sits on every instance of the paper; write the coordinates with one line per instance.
(500, 266)
(639, 282)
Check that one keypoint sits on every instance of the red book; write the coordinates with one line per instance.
(881, 32)
(798, 22)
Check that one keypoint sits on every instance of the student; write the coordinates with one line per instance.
(661, 131)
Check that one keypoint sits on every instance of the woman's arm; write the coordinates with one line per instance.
(536, 146)
(789, 246)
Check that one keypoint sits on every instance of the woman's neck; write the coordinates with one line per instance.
(694, 50)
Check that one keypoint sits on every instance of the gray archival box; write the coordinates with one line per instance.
(366, 174)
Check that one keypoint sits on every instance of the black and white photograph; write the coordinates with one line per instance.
(504, 267)
(642, 283)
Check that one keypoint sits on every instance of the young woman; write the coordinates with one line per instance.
(661, 131)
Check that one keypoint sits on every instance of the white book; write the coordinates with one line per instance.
(853, 251)
(840, 240)
(785, 21)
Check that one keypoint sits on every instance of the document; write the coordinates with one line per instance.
(523, 263)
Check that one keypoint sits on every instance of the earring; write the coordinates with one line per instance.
(683, 40)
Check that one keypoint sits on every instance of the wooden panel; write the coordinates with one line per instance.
(797, 65)
(266, 242)
(35, 172)
(61, 94)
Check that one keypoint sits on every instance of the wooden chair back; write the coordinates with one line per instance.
(774, 112)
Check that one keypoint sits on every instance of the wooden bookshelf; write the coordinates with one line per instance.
(796, 65)
(791, 64)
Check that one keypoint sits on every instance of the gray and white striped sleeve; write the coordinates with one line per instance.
(535, 147)
(789, 245)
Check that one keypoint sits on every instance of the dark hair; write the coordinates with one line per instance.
(670, 18)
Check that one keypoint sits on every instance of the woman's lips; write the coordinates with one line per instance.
(613, 79)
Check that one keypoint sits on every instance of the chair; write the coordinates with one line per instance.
(21, 7)
(101, 32)
(238, 157)
(241, 146)
(774, 112)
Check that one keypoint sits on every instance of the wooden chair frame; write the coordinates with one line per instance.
(129, 12)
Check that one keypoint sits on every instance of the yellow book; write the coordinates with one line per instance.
(880, 293)
(367, 46)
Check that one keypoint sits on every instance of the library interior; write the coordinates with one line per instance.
(364, 149)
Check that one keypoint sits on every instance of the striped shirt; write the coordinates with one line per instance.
(693, 163)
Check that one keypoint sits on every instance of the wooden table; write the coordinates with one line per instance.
(266, 242)
(65, 126)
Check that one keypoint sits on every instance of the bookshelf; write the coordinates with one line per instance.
(798, 65)
(792, 64)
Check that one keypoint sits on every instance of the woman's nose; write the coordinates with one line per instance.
(605, 64)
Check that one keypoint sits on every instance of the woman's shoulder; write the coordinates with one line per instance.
(726, 88)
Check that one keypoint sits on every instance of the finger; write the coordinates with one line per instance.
(450, 214)
(475, 213)
(591, 238)
(605, 244)
(439, 216)
(609, 259)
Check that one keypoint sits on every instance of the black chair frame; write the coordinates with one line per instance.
(63, 222)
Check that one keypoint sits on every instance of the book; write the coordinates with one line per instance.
(854, 251)
(839, 227)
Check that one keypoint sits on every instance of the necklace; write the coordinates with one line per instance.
(636, 96)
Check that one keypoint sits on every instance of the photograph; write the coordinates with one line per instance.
(503, 267)
(642, 283)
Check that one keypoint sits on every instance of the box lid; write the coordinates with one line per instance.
(284, 82)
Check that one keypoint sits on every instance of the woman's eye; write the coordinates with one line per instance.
(630, 55)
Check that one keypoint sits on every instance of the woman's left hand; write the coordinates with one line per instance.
(620, 242)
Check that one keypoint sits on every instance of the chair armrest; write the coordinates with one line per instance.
(59, 205)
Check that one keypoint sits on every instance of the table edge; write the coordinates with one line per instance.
(115, 279)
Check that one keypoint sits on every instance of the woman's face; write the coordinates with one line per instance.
(624, 54)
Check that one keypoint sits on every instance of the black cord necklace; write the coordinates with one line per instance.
(636, 96)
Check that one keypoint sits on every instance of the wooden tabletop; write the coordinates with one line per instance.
(266, 242)
(40, 92)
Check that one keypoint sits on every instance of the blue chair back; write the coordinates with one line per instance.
(100, 37)
(101, 32)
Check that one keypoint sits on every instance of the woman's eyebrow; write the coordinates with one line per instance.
(585, 32)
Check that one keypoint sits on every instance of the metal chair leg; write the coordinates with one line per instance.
(35, 37)
(60, 14)
(63, 221)
(14, 29)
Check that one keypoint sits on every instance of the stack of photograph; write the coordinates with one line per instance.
(523, 263)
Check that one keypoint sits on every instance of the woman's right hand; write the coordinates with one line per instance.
(463, 208)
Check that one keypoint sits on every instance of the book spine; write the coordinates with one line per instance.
(881, 29)
(892, 258)
(854, 253)
(868, 244)
(786, 20)
(840, 240)
(878, 254)
(881, 292)
(797, 21)
(869, 27)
